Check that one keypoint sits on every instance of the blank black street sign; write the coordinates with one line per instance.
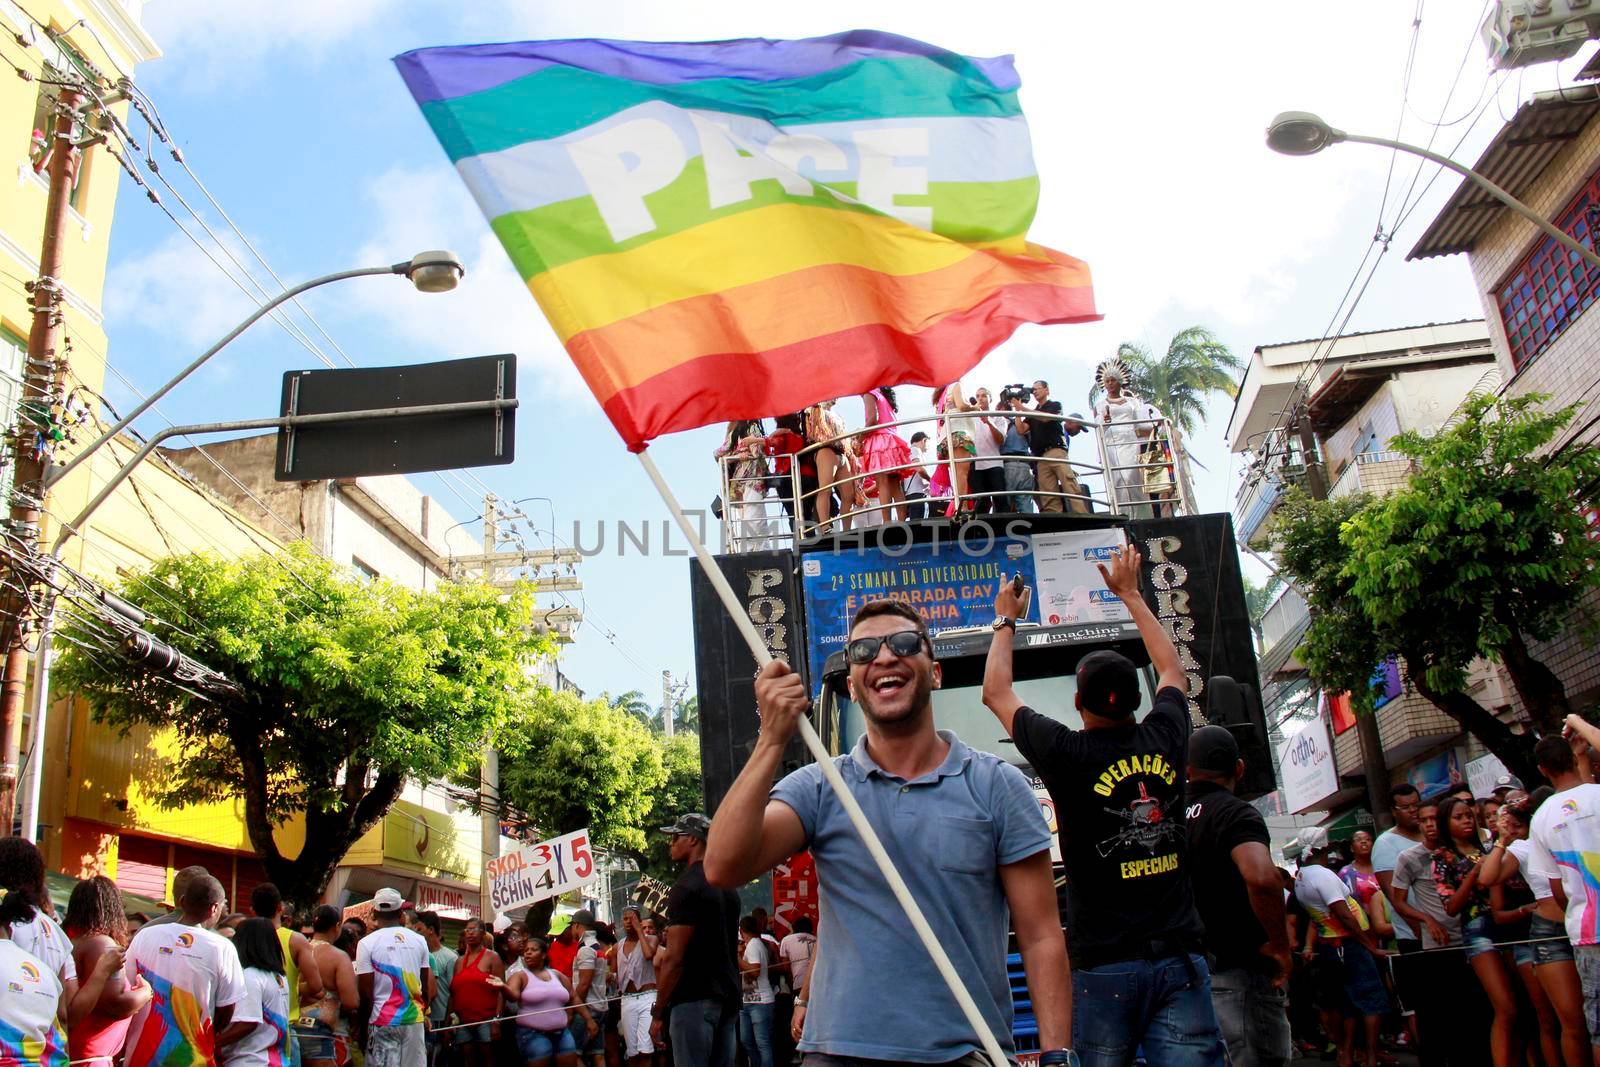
(403, 444)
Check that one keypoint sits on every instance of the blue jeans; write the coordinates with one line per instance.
(755, 1033)
(1163, 1005)
(704, 1033)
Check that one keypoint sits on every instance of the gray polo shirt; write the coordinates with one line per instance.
(875, 994)
(1413, 872)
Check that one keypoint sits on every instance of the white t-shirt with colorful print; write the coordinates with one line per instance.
(30, 1032)
(1318, 889)
(265, 1003)
(396, 958)
(1565, 836)
(192, 972)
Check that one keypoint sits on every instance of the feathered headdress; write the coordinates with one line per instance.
(1114, 367)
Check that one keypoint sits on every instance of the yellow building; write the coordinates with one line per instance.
(95, 812)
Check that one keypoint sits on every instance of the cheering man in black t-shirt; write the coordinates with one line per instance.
(1139, 978)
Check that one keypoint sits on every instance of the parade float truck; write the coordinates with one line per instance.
(801, 600)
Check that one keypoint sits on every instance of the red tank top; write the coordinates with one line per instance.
(471, 995)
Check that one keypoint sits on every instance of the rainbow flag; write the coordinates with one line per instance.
(736, 229)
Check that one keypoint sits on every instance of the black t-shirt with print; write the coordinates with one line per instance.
(1220, 822)
(1119, 796)
(709, 968)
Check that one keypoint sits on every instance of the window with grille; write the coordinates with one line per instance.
(64, 67)
(1552, 286)
(13, 355)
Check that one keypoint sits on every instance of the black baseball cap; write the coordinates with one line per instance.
(1213, 748)
(1104, 675)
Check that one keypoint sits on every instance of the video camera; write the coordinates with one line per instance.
(1018, 392)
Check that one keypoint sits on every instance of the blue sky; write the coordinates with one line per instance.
(1147, 130)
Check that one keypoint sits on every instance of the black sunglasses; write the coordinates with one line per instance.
(904, 643)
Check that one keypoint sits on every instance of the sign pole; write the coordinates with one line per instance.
(813, 743)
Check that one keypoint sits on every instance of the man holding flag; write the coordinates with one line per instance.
(964, 828)
(724, 230)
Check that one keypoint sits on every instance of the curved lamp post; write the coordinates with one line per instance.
(431, 272)
(1300, 133)
(434, 271)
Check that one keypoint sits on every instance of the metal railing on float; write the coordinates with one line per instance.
(1140, 474)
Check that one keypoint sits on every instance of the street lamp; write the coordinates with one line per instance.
(1300, 133)
(434, 271)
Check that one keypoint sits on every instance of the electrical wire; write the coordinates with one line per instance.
(1405, 100)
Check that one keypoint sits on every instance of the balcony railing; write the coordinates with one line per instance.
(1374, 472)
(1285, 618)
(1141, 477)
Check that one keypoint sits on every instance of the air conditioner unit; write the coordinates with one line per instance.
(1520, 33)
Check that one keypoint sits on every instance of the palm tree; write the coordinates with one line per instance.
(1257, 599)
(686, 716)
(1196, 365)
(634, 703)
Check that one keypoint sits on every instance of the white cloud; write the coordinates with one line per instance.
(215, 40)
(174, 290)
(491, 310)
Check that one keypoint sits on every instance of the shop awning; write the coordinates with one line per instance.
(1343, 827)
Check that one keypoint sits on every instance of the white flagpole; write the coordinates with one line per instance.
(858, 818)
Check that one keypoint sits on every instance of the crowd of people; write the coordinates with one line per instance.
(1468, 932)
(990, 453)
(205, 987)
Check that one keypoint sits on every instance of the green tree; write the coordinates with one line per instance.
(681, 792)
(1483, 552)
(348, 689)
(686, 715)
(573, 763)
(1195, 365)
(634, 703)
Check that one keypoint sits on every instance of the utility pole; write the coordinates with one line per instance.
(489, 767)
(504, 568)
(42, 378)
(666, 702)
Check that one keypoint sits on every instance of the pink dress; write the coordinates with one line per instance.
(883, 449)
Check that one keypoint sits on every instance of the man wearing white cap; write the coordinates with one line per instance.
(396, 986)
(1349, 989)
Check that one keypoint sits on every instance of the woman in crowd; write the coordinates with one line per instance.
(97, 925)
(541, 996)
(473, 997)
(1456, 870)
(835, 467)
(1546, 963)
(34, 1006)
(35, 931)
(1125, 427)
(1359, 877)
(884, 453)
(755, 1015)
(258, 1036)
(746, 503)
(957, 446)
(1512, 903)
(784, 445)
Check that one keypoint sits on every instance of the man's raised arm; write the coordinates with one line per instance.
(1123, 579)
(750, 834)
